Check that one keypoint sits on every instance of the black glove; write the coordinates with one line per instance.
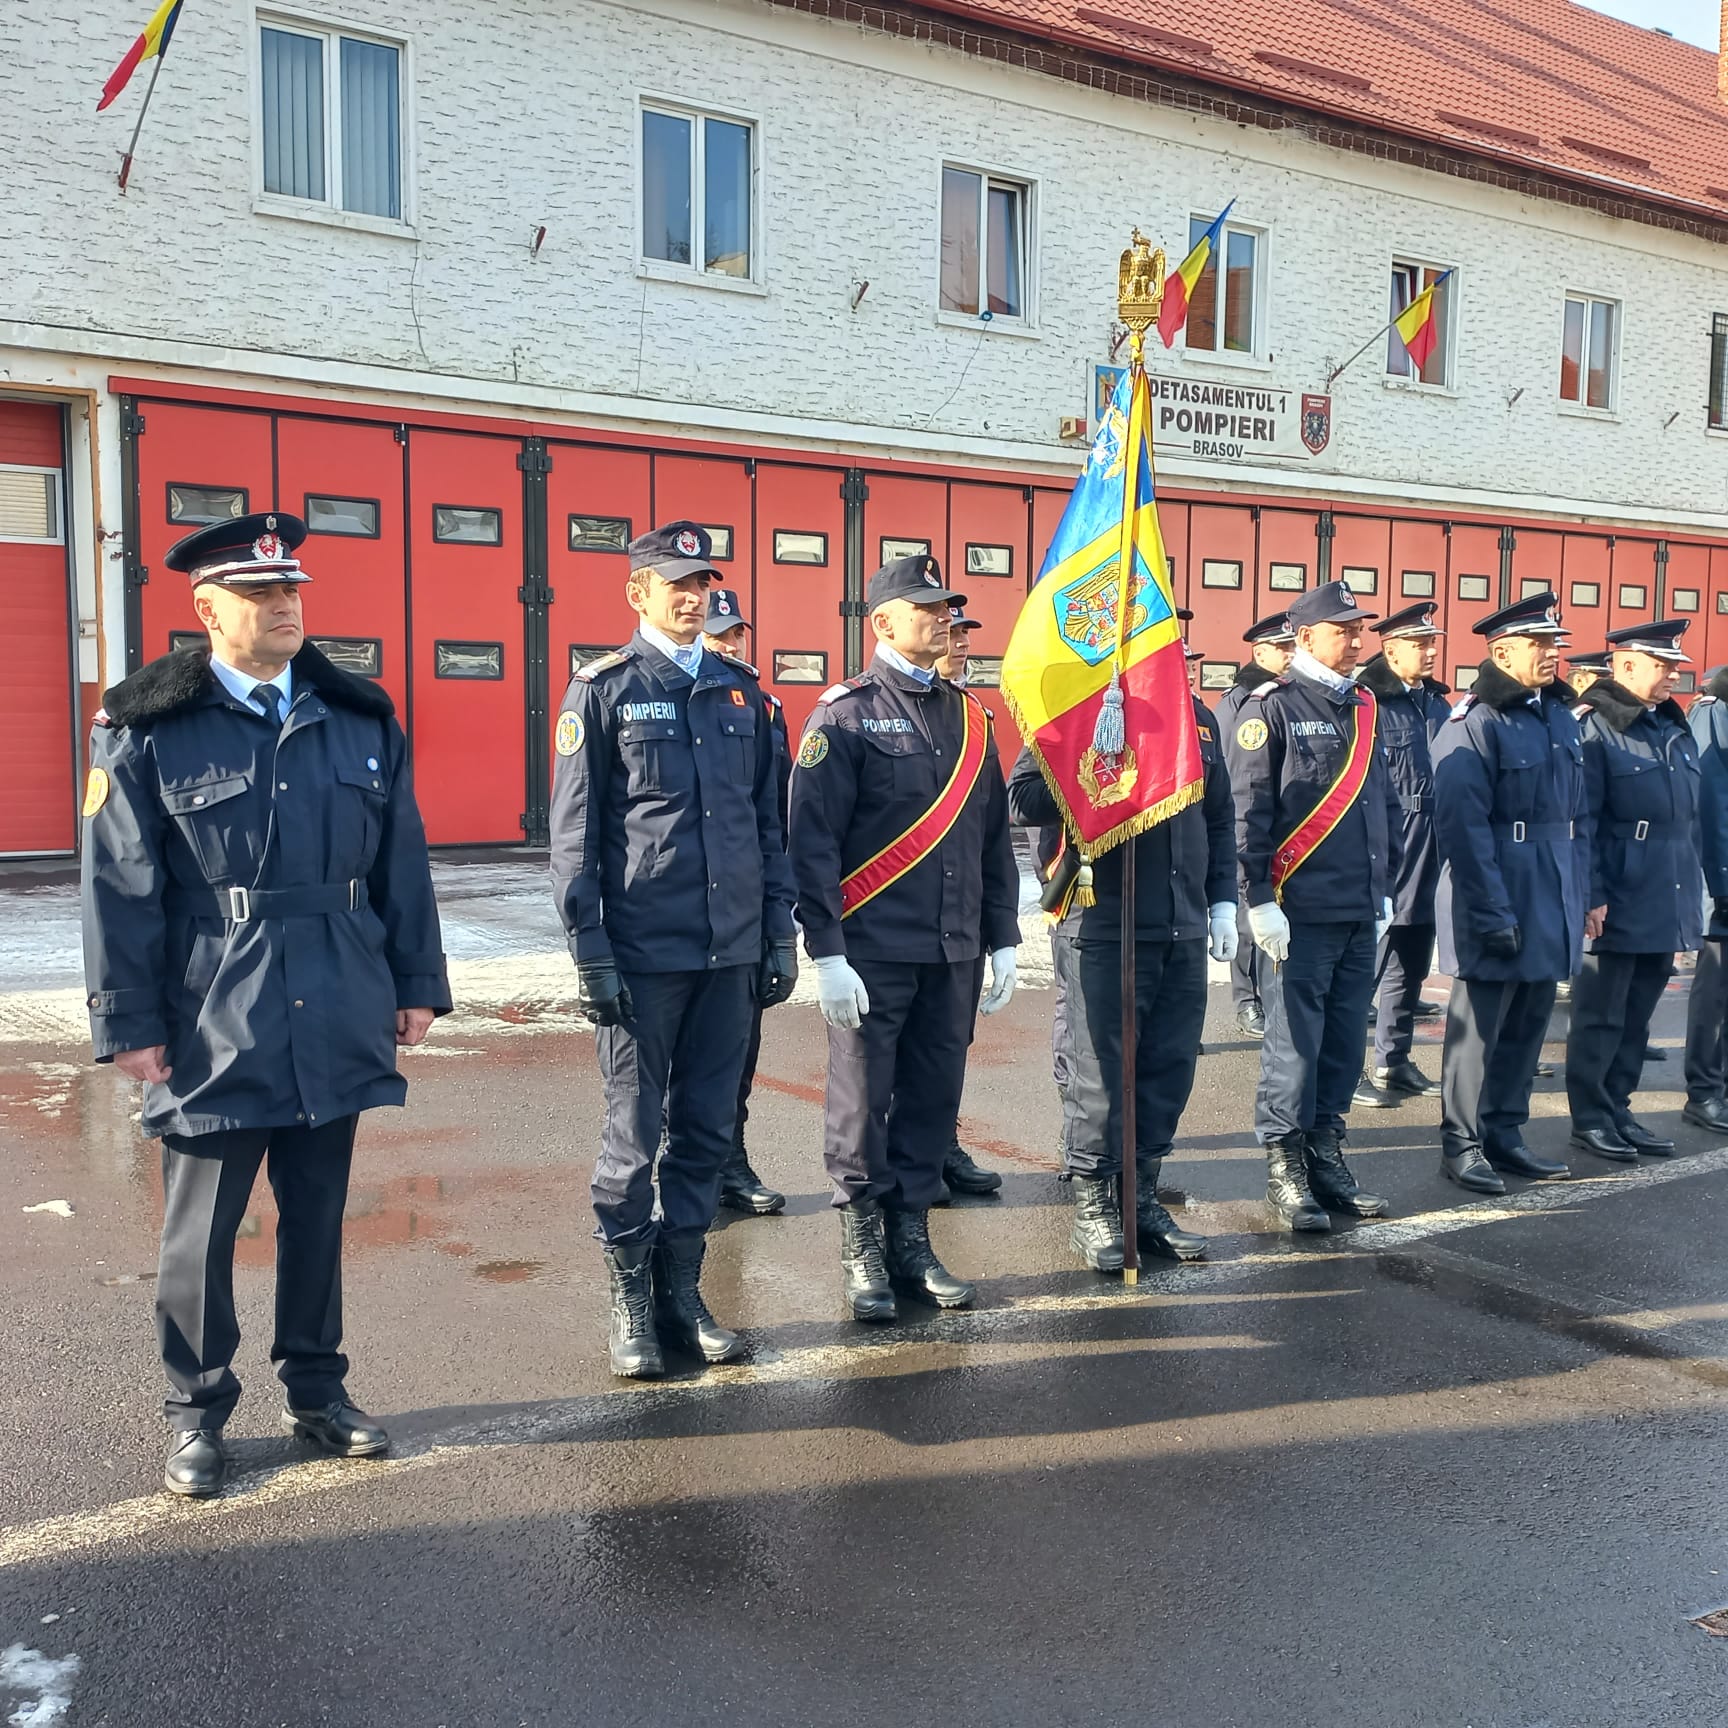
(600, 993)
(1505, 944)
(1719, 910)
(779, 972)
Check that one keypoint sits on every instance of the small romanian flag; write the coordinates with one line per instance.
(152, 42)
(1179, 287)
(1417, 327)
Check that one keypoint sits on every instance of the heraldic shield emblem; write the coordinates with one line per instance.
(1316, 422)
(1086, 611)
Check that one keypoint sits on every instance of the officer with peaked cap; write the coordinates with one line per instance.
(1586, 669)
(725, 631)
(906, 880)
(259, 937)
(1413, 708)
(1512, 824)
(1707, 1006)
(1641, 779)
(1271, 642)
(1315, 838)
(670, 875)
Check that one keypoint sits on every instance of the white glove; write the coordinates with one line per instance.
(840, 992)
(1222, 919)
(1271, 931)
(1384, 922)
(1001, 981)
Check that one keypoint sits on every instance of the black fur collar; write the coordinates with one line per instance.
(1493, 687)
(1718, 686)
(1620, 709)
(1253, 676)
(183, 677)
(1384, 682)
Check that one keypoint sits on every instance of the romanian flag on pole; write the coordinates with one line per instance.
(152, 42)
(1179, 288)
(1416, 325)
(1095, 674)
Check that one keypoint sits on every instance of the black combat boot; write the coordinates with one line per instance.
(1329, 1177)
(864, 1262)
(1097, 1233)
(681, 1317)
(741, 1189)
(912, 1261)
(1157, 1229)
(631, 1343)
(964, 1175)
(1287, 1191)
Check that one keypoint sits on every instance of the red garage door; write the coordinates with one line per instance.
(38, 781)
(800, 582)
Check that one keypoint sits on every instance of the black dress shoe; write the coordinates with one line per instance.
(1644, 1140)
(1545, 1070)
(1469, 1169)
(1372, 1097)
(1604, 1143)
(1655, 1053)
(1429, 1010)
(1405, 1076)
(339, 1429)
(1251, 1019)
(965, 1175)
(1519, 1160)
(1711, 1113)
(196, 1464)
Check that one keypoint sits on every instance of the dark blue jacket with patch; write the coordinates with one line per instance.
(1708, 723)
(667, 843)
(287, 1015)
(1409, 721)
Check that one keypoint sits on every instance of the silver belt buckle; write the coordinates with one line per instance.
(1517, 833)
(239, 904)
(353, 893)
(1641, 831)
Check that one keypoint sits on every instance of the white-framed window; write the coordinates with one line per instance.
(1226, 312)
(987, 245)
(331, 118)
(699, 193)
(1589, 352)
(1408, 280)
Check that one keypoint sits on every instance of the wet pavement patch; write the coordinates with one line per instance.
(508, 1271)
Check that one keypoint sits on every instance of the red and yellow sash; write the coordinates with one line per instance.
(928, 832)
(1305, 839)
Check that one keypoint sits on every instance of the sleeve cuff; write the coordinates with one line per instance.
(1261, 894)
(110, 1033)
(423, 990)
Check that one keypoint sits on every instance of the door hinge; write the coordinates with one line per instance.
(1508, 540)
(534, 592)
(400, 434)
(132, 424)
(853, 609)
(534, 461)
(854, 489)
(140, 574)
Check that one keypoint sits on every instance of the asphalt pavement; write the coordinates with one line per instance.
(1454, 1468)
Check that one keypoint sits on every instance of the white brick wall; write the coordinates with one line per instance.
(524, 112)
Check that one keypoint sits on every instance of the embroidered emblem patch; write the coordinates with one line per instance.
(738, 699)
(813, 749)
(95, 791)
(268, 547)
(1251, 734)
(568, 738)
(689, 544)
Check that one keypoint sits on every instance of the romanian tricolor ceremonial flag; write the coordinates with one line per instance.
(1416, 325)
(1095, 675)
(1179, 287)
(152, 41)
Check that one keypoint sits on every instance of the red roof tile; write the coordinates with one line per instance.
(1539, 82)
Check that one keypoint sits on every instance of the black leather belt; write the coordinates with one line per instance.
(240, 905)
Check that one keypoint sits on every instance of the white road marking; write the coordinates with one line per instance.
(49, 1677)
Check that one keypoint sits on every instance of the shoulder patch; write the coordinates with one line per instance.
(95, 791)
(813, 750)
(567, 739)
(1251, 734)
(605, 663)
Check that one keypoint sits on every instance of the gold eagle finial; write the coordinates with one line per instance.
(1140, 284)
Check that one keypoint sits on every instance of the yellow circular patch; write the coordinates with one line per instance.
(567, 740)
(95, 791)
(813, 749)
(1251, 734)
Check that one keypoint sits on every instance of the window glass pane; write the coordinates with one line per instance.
(1633, 594)
(205, 503)
(361, 655)
(989, 560)
(1220, 573)
(1239, 292)
(1719, 371)
(342, 516)
(1362, 578)
(665, 187)
(371, 129)
(960, 196)
(1434, 371)
(293, 80)
(29, 505)
(1403, 292)
(1201, 330)
(891, 548)
(1572, 352)
(1586, 594)
(1286, 578)
(1601, 353)
(1684, 600)
(800, 666)
(726, 198)
(468, 660)
(1005, 250)
(599, 533)
(471, 527)
(793, 547)
(1417, 584)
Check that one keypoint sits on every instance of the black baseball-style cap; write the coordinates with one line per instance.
(1660, 638)
(242, 551)
(1413, 622)
(724, 612)
(918, 579)
(678, 550)
(1276, 628)
(1534, 615)
(957, 619)
(1330, 603)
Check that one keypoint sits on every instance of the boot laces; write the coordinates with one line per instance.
(636, 1294)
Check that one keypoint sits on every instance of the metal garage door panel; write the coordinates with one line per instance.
(1288, 549)
(597, 501)
(718, 493)
(1218, 583)
(990, 563)
(469, 683)
(800, 582)
(1047, 508)
(1538, 562)
(1416, 569)
(1686, 586)
(905, 514)
(1586, 580)
(1633, 595)
(1361, 556)
(1715, 649)
(1473, 591)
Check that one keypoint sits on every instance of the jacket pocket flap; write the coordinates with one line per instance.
(201, 794)
(367, 779)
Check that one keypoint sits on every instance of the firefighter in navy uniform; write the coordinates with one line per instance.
(1707, 1006)
(1641, 777)
(1314, 836)
(1185, 902)
(671, 879)
(906, 881)
(1271, 642)
(1413, 707)
(724, 631)
(1512, 826)
(1586, 669)
(259, 937)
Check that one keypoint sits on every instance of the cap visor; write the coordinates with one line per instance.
(251, 578)
(678, 568)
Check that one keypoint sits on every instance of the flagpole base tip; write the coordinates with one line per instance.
(1130, 1274)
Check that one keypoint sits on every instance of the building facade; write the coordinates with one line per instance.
(481, 292)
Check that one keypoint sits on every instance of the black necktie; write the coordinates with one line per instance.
(270, 698)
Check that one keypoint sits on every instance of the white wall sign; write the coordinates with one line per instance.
(1227, 422)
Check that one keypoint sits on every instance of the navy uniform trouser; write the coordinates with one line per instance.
(1061, 1066)
(674, 1062)
(1612, 1002)
(1707, 1024)
(1494, 1034)
(894, 1085)
(1245, 967)
(206, 1186)
(1170, 1013)
(752, 1054)
(1316, 1024)
(1406, 953)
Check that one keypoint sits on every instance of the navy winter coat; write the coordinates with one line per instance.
(1708, 722)
(1409, 719)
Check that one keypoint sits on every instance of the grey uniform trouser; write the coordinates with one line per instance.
(1494, 1033)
